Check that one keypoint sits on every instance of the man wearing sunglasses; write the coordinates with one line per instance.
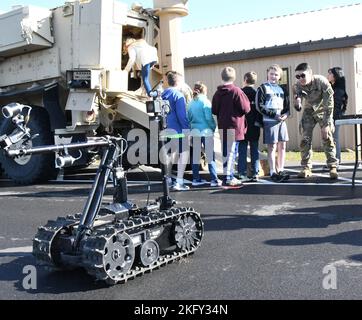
(314, 94)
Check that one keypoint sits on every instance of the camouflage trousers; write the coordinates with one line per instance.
(309, 121)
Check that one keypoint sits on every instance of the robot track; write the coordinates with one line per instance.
(119, 252)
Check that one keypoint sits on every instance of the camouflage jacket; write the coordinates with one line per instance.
(317, 97)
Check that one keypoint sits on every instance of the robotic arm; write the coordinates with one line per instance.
(15, 113)
(111, 161)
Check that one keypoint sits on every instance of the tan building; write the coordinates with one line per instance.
(325, 38)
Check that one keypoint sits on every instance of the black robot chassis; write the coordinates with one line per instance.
(113, 242)
(120, 251)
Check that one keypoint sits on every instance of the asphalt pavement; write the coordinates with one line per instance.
(297, 240)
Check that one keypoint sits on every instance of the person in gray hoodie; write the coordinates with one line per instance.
(230, 105)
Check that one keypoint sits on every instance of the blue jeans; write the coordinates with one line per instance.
(254, 155)
(146, 70)
(229, 153)
(208, 144)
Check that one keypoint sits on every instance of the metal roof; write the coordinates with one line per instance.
(294, 33)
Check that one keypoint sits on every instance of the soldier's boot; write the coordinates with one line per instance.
(305, 173)
(333, 173)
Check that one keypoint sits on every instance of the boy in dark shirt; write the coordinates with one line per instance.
(230, 105)
(254, 120)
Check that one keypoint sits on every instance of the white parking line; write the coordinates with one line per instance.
(14, 193)
(26, 250)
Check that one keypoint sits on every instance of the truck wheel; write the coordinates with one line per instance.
(31, 168)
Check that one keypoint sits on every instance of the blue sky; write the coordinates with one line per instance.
(211, 13)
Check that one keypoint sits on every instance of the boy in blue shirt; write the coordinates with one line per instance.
(177, 128)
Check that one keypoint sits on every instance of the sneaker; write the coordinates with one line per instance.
(254, 179)
(305, 173)
(276, 178)
(285, 175)
(233, 183)
(333, 173)
(180, 187)
(239, 175)
(216, 183)
(200, 182)
(243, 178)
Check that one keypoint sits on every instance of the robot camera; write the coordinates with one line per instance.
(158, 106)
(12, 110)
(64, 161)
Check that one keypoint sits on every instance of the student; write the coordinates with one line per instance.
(338, 82)
(145, 57)
(203, 128)
(254, 120)
(185, 89)
(273, 104)
(230, 105)
(178, 127)
(314, 94)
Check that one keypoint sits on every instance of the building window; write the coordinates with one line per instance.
(284, 82)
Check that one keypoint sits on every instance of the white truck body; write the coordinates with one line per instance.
(69, 60)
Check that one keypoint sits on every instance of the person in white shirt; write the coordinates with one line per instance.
(144, 56)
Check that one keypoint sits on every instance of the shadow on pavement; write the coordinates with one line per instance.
(78, 192)
(357, 257)
(345, 238)
(303, 218)
(47, 282)
(331, 192)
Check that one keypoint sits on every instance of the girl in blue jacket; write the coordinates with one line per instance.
(203, 127)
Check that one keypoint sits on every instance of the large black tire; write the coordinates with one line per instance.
(34, 168)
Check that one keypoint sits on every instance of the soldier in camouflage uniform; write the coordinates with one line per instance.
(315, 94)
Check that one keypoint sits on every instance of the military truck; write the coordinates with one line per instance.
(66, 63)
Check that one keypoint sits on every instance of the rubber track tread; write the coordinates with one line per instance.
(92, 252)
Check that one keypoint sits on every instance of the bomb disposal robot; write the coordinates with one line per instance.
(114, 242)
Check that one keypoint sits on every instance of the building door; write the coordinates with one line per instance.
(285, 82)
